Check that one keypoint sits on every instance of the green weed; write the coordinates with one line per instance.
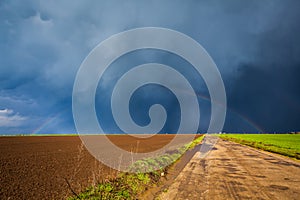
(130, 185)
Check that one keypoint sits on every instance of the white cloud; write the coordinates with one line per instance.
(10, 119)
(5, 112)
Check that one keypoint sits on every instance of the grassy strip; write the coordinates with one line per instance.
(130, 185)
(284, 144)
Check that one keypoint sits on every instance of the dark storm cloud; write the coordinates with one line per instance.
(265, 86)
(255, 45)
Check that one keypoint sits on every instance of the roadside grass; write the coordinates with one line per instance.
(131, 185)
(284, 144)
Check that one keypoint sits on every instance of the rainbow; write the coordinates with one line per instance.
(46, 122)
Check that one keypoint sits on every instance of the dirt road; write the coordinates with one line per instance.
(233, 171)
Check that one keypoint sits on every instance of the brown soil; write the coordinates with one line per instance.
(234, 171)
(50, 167)
(141, 145)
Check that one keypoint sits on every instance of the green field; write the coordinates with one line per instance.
(284, 144)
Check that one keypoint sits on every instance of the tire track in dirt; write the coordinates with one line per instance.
(234, 171)
(235, 179)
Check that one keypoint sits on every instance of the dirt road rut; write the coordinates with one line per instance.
(234, 171)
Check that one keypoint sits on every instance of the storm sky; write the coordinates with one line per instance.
(255, 45)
